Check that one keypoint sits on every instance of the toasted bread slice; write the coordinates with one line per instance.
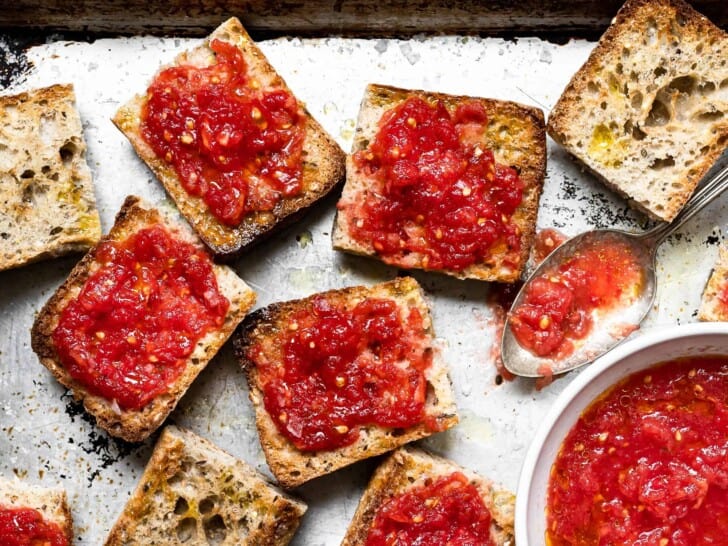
(323, 160)
(648, 111)
(136, 425)
(409, 468)
(51, 503)
(47, 204)
(292, 466)
(713, 308)
(192, 492)
(516, 135)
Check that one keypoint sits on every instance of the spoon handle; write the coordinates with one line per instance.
(705, 195)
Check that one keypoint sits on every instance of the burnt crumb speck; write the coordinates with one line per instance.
(14, 64)
(499, 379)
(712, 240)
(107, 449)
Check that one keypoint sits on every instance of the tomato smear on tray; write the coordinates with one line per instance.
(234, 144)
(137, 318)
(558, 306)
(447, 511)
(26, 527)
(440, 193)
(334, 369)
(647, 462)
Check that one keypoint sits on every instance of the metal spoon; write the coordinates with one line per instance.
(609, 328)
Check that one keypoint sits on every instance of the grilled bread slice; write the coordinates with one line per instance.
(264, 329)
(323, 160)
(194, 493)
(514, 133)
(409, 468)
(47, 204)
(713, 304)
(131, 424)
(52, 504)
(648, 111)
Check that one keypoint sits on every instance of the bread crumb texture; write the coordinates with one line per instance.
(47, 204)
(194, 493)
(648, 110)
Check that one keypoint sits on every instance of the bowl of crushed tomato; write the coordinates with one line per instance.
(635, 450)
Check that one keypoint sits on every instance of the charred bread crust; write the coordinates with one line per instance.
(517, 136)
(711, 308)
(47, 203)
(291, 466)
(323, 159)
(409, 467)
(569, 124)
(190, 483)
(51, 503)
(136, 425)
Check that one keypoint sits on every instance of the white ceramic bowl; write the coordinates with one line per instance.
(643, 352)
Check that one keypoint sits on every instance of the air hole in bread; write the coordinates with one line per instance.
(54, 177)
(56, 230)
(706, 88)
(397, 432)
(207, 504)
(684, 84)
(724, 84)
(27, 173)
(215, 529)
(592, 87)
(603, 105)
(625, 54)
(637, 100)
(187, 530)
(67, 151)
(659, 114)
(46, 169)
(176, 478)
(181, 507)
(638, 134)
(662, 163)
(651, 33)
(659, 71)
(709, 117)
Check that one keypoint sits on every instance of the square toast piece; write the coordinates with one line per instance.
(52, 504)
(262, 341)
(648, 111)
(47, 204)
(134, 425)
(714, 302)
(408, 469)
(323, 160)
(513, 132)
(192, 492)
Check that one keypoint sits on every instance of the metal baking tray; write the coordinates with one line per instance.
(46, 438)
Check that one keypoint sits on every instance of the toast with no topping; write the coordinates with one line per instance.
(648, 111)
(192, 492)
(409, 468)
(516, 135)
(47, 204)
(292, 466)
(129, 424)
(323, 160)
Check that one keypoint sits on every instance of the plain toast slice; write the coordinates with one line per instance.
(408, 468)
(52, 504)
(323, 159)
(47, 204)
(130, 424)
(714, 302)
(648, 111)
(516, 135)
(194, 493)
(292, 466)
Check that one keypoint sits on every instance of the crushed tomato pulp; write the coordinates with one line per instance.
(234, 144)
(440, 194)
(138, 317)
(332, 369)
(446, 511)
(26, 527)
(558, 306)
(647, 462)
